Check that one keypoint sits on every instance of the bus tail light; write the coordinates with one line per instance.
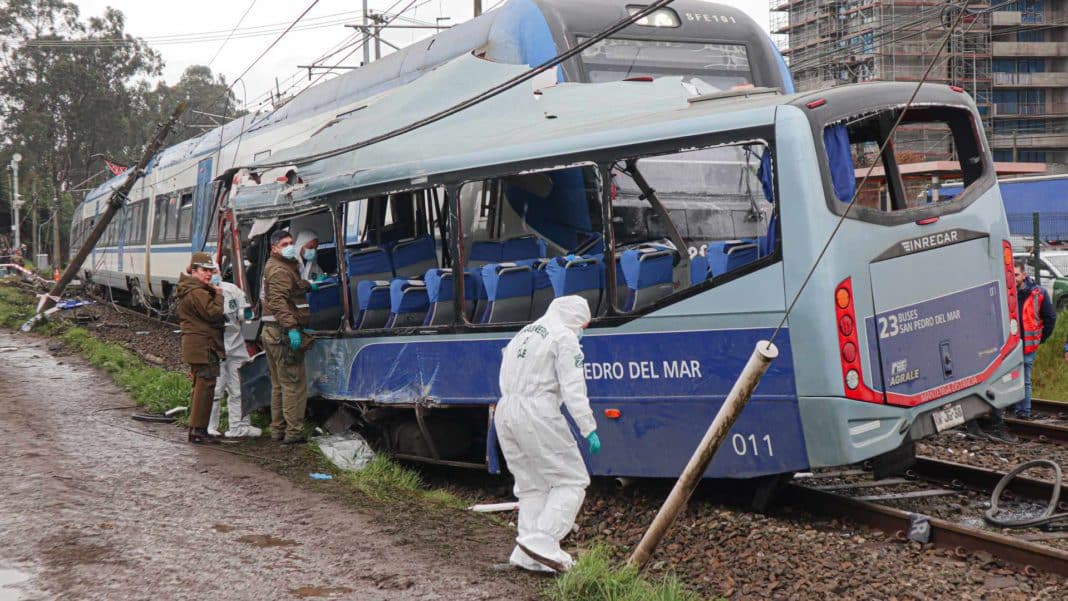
(1010, 294)
(849, 345)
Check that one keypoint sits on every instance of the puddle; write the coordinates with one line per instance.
(266, 540)
(305, 592)
(10, 583)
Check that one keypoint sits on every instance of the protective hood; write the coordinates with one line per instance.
(304, 237)
(572, 312)
(187, 284)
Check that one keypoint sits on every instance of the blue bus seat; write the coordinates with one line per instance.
(367, 263)
(484, 252)
(439, 288)
(699, 270)
(581, 276)
(741, 254)
(509, 292)
(522, 247)
(648, 273)
(372, 304)
(324, 305)
(408, 303)
(412, 257)
(543, 287)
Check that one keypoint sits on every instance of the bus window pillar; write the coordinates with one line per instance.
(338, 217)
(452, 201)
(604, 188)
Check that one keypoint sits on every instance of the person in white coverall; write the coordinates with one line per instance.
(234, 305)
(307, 243)
(541, 369)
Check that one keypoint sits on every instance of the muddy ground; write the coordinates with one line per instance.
(96, 506)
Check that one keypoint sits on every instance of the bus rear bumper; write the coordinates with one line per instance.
(841, 431)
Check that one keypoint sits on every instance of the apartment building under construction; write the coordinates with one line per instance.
(1012, 57)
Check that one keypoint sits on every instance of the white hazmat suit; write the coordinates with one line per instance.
(309, 270)
(542, 367)
(229, 381)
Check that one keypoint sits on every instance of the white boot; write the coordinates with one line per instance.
(213, 421)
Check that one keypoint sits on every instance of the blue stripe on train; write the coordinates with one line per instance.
(667, 386)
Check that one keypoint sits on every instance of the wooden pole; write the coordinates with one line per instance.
(117, 200)
(764, 353)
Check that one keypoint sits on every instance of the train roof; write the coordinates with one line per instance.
(498, 33)
(521, 129)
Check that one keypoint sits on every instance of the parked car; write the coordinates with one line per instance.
(1053, 270)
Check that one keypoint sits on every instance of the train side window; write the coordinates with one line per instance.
(185, 217)
(931, 145)
(161, 219)
(172, 219)
(714, 206)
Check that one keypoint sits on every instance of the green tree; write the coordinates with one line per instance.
(211, 103)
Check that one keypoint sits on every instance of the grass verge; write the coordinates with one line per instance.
(1050, 375)
(595, 577)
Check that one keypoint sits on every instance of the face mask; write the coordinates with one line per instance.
(309, 254)
(216, 280)
(289, 252)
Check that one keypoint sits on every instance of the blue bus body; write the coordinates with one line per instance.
(907, 326)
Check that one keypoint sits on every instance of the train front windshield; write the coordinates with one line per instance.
(721, 66)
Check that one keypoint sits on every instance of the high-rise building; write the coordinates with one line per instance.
(1012, 57)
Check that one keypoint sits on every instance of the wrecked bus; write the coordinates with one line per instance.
(446, 240)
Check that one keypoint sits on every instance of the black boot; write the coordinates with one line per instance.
(201, 436)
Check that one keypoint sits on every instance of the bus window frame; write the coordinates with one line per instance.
(969, 195)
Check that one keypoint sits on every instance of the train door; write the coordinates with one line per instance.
(202, 205)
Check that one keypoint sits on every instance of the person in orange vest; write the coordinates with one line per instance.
(1037, 319)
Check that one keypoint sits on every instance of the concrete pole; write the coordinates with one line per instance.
(15, 201)
(57, 248)
(366, 36)
(764, 353)
(36, 234)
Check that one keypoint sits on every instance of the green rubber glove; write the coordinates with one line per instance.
(248, 312)
(595, 443)
(314, 287)
(294, 339)
(322, 277)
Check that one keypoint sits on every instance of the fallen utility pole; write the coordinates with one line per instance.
(115, 202)
(764, 353)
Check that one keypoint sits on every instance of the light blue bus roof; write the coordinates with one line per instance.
(514, 127)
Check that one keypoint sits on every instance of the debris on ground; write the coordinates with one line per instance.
(348, 451)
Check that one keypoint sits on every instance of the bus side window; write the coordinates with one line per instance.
(529, 238)
(714, 206)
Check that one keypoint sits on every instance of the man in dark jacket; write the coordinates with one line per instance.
(201, 317)
(1037, 320)
(285, 316)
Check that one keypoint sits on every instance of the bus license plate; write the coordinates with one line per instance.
(950, 416)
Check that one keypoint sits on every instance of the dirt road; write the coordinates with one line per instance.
(96, 506)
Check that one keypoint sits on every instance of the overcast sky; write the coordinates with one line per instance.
(190, 32)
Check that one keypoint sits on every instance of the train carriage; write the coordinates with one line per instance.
(149, 245)
(447, 240)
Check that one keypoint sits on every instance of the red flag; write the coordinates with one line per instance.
(115, 168)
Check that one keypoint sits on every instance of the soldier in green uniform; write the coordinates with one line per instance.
(201, 318)
(285, 316)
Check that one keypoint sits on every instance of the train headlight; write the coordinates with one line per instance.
(852, 379)
(665, 17)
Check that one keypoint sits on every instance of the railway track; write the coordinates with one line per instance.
(950, 480)
(1041, 429)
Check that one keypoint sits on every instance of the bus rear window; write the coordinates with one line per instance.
(931, 145)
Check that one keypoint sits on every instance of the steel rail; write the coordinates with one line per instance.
(943, 534)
